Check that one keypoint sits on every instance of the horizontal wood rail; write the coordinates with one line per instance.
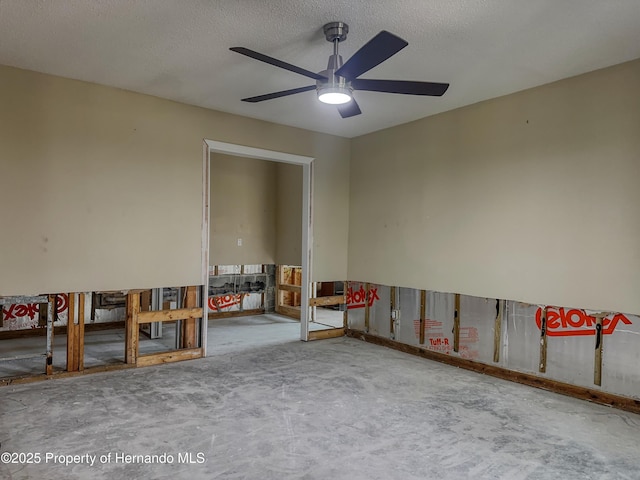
(328, 333)
(168, 357)
(325, 301)
(169, 315)
(290, 288)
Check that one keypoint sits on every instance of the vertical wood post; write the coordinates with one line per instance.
(456, 324)
(543, 342)
(189, 339)
(72, 332)
(597, 371)
(366, 307)
(392, 313)
(80, 351)
(51, 311)
(497, 331)
(131, 329)
(345, 314)
(423, 315)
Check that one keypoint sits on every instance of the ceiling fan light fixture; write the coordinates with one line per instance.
(334, 95)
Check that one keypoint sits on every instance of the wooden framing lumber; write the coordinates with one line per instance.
(596, 396)
(290, 288)
(597, 369)
(325, 301)
(53, 301)
(456, 324)
(131, 328)
(189, 339)
(72, 332)
(423, 315)
(392, 312)
(345, 314)
(168, 357)
(328, 333)
(542, 367)
(169, 315)
(367, 288)
(244, 313)
(80, 337)
(497, 331)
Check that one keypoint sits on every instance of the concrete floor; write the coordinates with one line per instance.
(267, 406)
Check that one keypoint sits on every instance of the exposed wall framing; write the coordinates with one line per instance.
(554, 345)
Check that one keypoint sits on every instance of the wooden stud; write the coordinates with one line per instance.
(423, 314)
(189, 339)
(72, 331)
(456, 324)
(278, 291)
(392, 313)
(367, 288)
(345, 314)
(131, 328)
(542, 367)
(51, 309)
(326, 301)
(597, 371)
(328, 333)
(81, 298)
(497, 331)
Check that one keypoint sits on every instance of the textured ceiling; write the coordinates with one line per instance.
(178, 49)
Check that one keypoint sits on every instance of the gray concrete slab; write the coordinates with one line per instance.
(336, 408)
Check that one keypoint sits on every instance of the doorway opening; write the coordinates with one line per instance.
(224, 237)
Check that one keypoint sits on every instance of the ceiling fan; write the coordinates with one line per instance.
(336, 84)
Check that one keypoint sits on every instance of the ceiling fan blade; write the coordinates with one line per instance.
(277, 63)
(381, 47)
(401, 86)
(350, 109)
(283, 93)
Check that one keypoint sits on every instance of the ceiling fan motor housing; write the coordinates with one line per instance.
(336, 31)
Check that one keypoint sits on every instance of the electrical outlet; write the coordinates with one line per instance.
(239, 242)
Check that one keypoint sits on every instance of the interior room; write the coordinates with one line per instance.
(325, 240)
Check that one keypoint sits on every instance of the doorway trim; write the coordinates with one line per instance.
(214, 146)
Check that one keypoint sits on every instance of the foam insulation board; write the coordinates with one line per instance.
(621, 355)
(477, 324)
(571, 343)
(408, 325)
(26, 316)
(356, 298)
(225, 303)
(439, 322)
(380, 310)
(523, 338)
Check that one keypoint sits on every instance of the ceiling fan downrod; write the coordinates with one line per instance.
(335, 89)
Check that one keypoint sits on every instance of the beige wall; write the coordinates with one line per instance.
(243, 206)
(533, 197)
(289, 215)
(102, 187)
